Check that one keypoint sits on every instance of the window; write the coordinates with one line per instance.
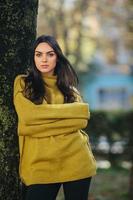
(112, 98)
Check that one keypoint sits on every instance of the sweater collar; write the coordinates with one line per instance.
(50, 81)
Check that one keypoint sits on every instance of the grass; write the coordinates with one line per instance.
(108, 184)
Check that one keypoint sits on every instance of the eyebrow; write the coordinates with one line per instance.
(46, 52)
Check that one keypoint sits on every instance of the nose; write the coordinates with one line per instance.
(44, 58)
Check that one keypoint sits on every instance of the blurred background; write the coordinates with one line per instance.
(96, 36)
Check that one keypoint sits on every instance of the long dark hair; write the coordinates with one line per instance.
(67, 79)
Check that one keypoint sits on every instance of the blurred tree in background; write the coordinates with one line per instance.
(17, 33)
(83, 27)
(68, 22)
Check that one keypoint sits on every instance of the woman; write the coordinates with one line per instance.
(54, 151)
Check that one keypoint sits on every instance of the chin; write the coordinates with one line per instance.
(45, 71)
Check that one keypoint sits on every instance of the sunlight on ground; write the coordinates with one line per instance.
(103, 164)
(126, 165)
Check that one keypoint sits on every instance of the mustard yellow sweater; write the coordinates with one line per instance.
(53, 148)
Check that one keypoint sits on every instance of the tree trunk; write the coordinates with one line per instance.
(17, 33)
(82, 6)
(131, 158)
(129, 119)
(131, 182)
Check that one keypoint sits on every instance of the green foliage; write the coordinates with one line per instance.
(105, 188)
(116, 126)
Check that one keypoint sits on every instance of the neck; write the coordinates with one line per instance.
(50, 80)
(52, 92)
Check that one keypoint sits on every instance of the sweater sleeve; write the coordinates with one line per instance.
(57, 127)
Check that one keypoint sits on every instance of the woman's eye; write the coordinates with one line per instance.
(51, 54)
(38, 55)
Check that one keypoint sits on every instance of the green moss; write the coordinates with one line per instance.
(17, 33)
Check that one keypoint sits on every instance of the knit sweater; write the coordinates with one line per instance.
(53, 148)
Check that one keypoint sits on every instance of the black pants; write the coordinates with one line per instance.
(73, 190)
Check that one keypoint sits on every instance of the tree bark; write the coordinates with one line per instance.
(130, 120)
(17, 32)
(131, 181)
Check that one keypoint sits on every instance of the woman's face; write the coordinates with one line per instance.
(45, 58)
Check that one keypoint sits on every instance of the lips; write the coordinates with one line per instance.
(44, 65)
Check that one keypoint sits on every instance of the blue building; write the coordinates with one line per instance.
(109, 89)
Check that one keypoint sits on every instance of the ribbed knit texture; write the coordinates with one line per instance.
(52, 146)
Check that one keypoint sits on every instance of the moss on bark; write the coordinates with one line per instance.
(17, 32)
